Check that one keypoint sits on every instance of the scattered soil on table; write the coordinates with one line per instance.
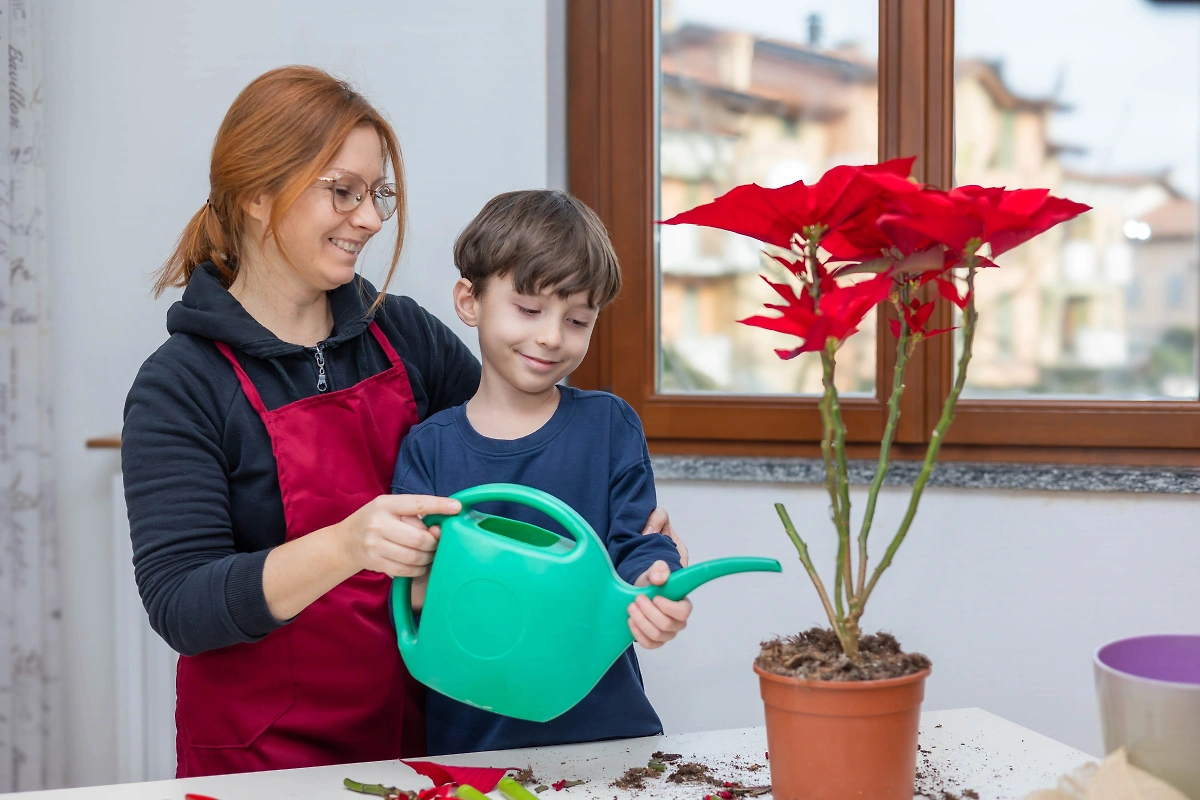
(635, 778)
(816, 654)
(525, 776)
(932, 784)
(969, 794)
(694, 772)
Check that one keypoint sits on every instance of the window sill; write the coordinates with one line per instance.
(954, 474)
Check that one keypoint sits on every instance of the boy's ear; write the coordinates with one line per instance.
(466, 304)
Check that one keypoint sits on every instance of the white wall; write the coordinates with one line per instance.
(1008, 592)
(134, 92)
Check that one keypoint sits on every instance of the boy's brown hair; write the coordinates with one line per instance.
(545, 239)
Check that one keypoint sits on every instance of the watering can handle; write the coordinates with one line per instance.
(402, 612)
(536, 499)
(585, 539)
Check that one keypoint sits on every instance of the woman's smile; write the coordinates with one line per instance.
(348, 245)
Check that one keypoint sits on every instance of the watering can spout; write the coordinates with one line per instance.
(686, 580)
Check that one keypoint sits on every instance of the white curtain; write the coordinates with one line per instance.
(31, 638)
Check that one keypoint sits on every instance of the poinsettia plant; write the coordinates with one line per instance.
(859, 237)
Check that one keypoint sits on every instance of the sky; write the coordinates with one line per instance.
(1129, 68)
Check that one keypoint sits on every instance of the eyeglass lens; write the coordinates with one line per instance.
(349, 191)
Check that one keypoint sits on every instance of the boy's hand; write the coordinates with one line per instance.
(660, 522)
(656, 622)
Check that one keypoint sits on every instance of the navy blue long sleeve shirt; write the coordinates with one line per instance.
(592, 455)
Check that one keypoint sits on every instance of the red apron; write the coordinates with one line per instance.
(329, 687)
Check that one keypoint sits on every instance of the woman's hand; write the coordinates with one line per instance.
(659, 522)
(387, 534)
(656, 622)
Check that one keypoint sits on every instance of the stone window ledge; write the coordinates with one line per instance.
(961, 475)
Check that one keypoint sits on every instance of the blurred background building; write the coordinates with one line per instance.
(1107, 306)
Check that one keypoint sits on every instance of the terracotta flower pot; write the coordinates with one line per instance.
(842, 739)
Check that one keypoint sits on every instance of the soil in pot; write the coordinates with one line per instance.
(838, 728)
(817, 655)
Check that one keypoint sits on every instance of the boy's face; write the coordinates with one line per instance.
(530, 341)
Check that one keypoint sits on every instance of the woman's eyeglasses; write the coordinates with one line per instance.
(350, 190)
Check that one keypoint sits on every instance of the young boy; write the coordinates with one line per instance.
(537, 267)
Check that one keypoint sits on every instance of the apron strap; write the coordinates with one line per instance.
(244, 379)
(385, 344)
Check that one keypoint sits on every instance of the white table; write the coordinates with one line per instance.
(966, 749)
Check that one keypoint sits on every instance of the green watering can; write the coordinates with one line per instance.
(519, 620)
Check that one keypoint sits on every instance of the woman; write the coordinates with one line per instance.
(260, 439)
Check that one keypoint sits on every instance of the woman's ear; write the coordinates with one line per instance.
(466, 304)
(259, 210)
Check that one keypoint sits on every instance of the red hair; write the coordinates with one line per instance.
(277, 137)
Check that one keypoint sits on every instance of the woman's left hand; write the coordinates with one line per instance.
(659, 522)
(656, 622)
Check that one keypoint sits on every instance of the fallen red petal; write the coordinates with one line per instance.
(482, 778)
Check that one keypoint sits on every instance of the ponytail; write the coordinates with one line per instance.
(204, 239)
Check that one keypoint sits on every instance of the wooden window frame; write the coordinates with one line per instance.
(611, 162)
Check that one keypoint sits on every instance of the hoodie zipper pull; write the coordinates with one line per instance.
(322, 384)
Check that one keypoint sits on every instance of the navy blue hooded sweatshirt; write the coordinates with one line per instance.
(200, 478)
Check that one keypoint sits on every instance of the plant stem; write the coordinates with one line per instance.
(837, 484)
(831, 479)
(903, 351)
(377, 789)
(935, 440)
(812, 240)
(802, 549)
(843, 477)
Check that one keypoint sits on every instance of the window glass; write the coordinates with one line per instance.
(1107, 306)
(763, 91)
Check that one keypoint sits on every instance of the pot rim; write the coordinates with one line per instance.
(847, 686)
(1129, 676)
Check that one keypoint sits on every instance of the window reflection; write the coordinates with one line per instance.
(760, 92)
(1109, 305)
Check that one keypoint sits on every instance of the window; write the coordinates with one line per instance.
(1087, 348)
(737, 106)
(1118, 132)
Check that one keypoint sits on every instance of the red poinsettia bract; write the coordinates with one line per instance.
(833, 317)
(1002, 218)
(775, 215)
(874, 219)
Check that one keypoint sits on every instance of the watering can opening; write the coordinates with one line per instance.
(520, 531)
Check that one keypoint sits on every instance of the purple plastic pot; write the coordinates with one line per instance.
(1149, 688)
